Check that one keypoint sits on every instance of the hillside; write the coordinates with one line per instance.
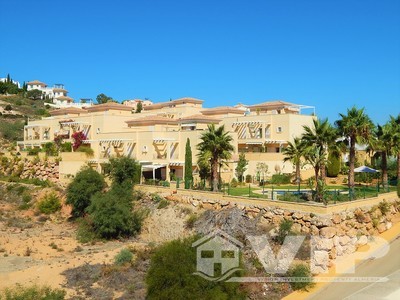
(15, 110)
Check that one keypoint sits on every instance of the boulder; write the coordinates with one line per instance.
(336, 219)
(381, 227)
(362, 240)
(327, 232)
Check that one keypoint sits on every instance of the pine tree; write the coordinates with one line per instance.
(8, 78)
(188, 165)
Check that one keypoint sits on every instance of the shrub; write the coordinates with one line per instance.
(86, 183)
(301, 271)
(156, 198)
(50, 149)
(375, 222)
(280, 179)
(285, 228)
(34, 151)
(167, 279)
(124, 169)
(112, 215)
(123, 257)
(234, 182)
(85, 233)
(333, 166)
(163, 204)
(26, 199)
(8, 107)
(66, 147)
(34, 292)
(398, 187)
(191, 220)
(384, 207)
(49, 204)
(249, 178)
(87, 150)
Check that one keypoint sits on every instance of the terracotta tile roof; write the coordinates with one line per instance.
(109, 106)
(59, 90)
(152, 120)
(36, 82)
(173, 102)
(222, 110)
(65, 98)
(67, 111)
(278, 104)
(199, 119)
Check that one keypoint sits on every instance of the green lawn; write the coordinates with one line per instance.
(342, 195)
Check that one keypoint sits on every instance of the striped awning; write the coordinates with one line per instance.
(33, 126)
(275, 141)
(163, 140)
(248, 123)
(114, 140)
(74, 123)
(176, 163)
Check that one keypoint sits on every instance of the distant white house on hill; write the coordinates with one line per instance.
(58, 94)
(134, 103)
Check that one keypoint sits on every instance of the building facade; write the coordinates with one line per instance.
(156, 137)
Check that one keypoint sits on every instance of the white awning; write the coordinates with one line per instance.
(153, 167)
(188, 125)
(254, 143)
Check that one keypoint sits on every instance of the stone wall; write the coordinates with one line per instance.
(30, 168)
(336, 234)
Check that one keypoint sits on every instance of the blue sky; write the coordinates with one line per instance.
(330, 54)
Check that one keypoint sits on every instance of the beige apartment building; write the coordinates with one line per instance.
(157, 136)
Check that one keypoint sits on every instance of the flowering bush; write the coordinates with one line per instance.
(78, 137)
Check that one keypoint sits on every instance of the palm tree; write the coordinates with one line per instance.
(217, 142)
(316, 158)
(321, 135)
(294, 152)
(355, 127)
(394, 125)
(382, 144)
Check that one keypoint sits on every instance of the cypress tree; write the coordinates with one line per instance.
(188, 165)
(139, 107)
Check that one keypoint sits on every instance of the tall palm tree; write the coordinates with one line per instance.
(321, 135)
(294, 153)
(394, 125)
(217, 142)
(382, 144)
(316, 158)
(355, 127)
